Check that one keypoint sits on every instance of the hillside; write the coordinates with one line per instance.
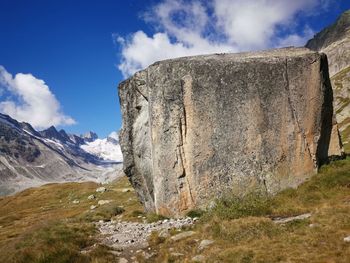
(341, 87)
(335, 42)
(46, 224)
(31, 158)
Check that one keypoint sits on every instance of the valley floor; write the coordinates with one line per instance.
(55, 223)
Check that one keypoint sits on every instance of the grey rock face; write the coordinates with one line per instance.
(52, 133)
(198, 127)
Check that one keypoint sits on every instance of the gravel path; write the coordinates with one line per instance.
(122, 235)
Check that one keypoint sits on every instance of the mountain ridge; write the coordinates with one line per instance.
(31, 158)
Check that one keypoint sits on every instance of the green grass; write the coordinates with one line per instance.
(232, 207)
(152, 217)
(196, 213)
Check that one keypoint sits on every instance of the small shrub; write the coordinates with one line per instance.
(153, 217)
(244, 229)
(252, 204)
(195, 213)
(137, 213)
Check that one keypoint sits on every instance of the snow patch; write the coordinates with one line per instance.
(105, 149)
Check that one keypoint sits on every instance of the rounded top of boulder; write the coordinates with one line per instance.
(265, 54)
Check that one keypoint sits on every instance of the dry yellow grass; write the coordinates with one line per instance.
(44, 225)
(243, 230)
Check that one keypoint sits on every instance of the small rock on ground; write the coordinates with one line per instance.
(101, 189)
(91, 197)
(292, 218)
(76, 202)
(123, 260)
(314, 225)
(93, 207)
(198, 258)
(182, 235)
(204, 244)
(103, 202)
(347, 239)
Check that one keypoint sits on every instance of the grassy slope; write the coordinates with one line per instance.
(244, 232)
(43, 225)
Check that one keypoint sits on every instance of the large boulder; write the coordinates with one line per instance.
(196, 128)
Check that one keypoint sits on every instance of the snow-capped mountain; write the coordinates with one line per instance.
(89, 136)
(107, 149)
(30, 158)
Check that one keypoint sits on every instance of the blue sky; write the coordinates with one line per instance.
(81, 50)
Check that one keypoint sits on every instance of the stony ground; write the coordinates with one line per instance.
(129, 239)
(127, 235)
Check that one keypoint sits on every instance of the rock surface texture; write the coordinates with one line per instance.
(335, 42)
(195, 128)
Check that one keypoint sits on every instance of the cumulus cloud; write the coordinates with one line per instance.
(184, 28)
(31, 101)
(142, 50)
(251, 24)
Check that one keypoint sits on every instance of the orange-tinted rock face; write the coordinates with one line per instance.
(198, 127)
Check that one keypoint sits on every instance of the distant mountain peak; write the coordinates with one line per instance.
(90, 136)
(52, 133)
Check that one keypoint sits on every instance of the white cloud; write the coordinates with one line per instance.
(252, 24)
(296, 39)
(31, 101)
(142, 50)
(185, 28)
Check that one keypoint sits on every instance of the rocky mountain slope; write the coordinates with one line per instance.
(31, 158)
(199, 127)
(335, 42)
